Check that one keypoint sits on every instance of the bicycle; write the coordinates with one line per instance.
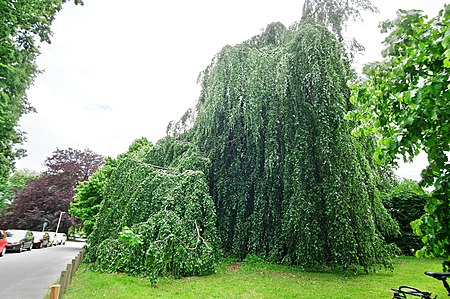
(403, 291)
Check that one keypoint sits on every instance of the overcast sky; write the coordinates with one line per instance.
(121, 70)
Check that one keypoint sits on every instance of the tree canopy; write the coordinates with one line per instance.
(288, 179)
(334, 14)
(405, 101)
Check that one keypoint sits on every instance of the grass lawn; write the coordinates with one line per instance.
(261, 280)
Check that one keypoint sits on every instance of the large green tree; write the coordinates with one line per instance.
(22, 22)
(405, 101)
(289, 181)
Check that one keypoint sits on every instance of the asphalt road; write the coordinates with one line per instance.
(31, 273)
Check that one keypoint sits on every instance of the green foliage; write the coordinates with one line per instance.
(405, 100)
(16, 182)
(289, 181)
(156, 216)
(90, 194)
(406, 203)
(86, 203)
(335, 13)
(21, 23)
(434, 225)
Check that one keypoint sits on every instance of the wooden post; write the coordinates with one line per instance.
(54, 292)
(62, 281)
(77, 262)
(72, 271)
(67, 278)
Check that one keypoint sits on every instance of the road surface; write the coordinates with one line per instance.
(31, 273)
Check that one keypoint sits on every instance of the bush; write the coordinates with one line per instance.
(405, 202)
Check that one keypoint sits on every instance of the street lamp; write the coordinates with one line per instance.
(59, 221)
(44, 225)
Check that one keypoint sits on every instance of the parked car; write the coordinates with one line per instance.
(41, 239)
(61, 238)
(53, 239)
(18, 240)
(3, 242)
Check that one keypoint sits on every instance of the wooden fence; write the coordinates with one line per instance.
(57, 290)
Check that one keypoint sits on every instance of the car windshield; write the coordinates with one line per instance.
(15, 233)
(38, 234)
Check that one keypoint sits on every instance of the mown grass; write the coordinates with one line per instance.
(261, 280)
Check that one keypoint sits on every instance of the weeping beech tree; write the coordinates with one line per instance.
(289, 181)
(157, 215)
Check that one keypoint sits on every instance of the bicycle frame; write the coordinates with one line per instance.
(404, 291)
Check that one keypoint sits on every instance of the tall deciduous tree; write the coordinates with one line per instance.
(405, 100)
(289, 181)
(21, 23)
(44, 198)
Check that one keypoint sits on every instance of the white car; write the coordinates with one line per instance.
(53, 240)
(61, 238)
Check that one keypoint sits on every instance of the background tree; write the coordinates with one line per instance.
(44, 198)
(405, 100)
(22, 22)
(16, 182)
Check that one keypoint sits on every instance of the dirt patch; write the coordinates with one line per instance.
(234, 267)
(282, 274)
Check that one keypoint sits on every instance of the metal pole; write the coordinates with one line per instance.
(59, 221)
